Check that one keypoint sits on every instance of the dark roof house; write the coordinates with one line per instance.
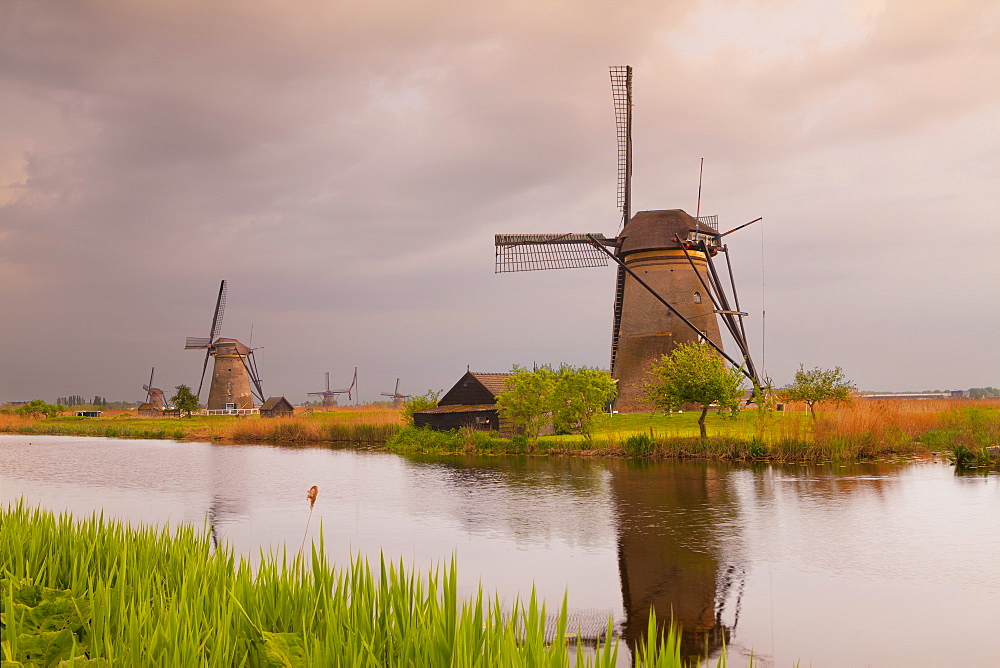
(277, 407)
(470, 403)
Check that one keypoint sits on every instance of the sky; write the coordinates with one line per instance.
(345, 165)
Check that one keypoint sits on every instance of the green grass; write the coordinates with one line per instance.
(966, 434)
(98, 593)
(749, 435)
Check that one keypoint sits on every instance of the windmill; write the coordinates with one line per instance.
(397, 398)
(154, 395)
(668, 289)
(330, 396)
(235, 381)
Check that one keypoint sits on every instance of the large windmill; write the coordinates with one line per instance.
(235, 381)
(668, 291)
(397, 398)
(330, 396)
(154, 395)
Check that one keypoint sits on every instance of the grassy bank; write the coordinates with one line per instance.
(860, 430)
(359, 427)
(99, 593)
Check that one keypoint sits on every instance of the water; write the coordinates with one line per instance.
(878, 564)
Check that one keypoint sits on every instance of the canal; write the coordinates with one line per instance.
(877, 564)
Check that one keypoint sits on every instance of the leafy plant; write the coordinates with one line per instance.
(694, 374)
(578, 398)
(98, 592)
(184, 400)
(817, 386)
(419, 403)
(638, 445)
(526, 401)
(38, 408)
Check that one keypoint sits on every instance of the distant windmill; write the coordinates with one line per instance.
(668, 288)
(397, 398)
(330, 396)
(154, 395)
(235, 381)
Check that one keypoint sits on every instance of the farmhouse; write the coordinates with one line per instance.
(470, 403)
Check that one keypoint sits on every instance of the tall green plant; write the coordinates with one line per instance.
(419, 403)
(817, 386)
(98, 592)
(526, 403)
(184, 400)
(694, 374)
(38, 408)
(578, 398)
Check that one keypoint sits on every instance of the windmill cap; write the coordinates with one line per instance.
(230, 347)
(655, 230)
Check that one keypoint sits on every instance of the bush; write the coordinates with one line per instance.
(638, 445)
(419, 403)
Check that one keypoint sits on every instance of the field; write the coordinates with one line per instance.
(362, 426)
(859, 430)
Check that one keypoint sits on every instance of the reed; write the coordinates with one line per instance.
(363, 427)
(97, 590)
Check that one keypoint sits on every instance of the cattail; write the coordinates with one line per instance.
(311, 495)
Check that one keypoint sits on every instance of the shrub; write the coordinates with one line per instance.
(638, 445)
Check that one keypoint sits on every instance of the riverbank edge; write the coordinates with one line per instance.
(412, 440)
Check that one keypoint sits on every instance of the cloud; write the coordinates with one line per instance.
(345, 164)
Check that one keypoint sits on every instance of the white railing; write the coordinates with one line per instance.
(228, 411)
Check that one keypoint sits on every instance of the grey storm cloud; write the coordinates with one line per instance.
(344, 165)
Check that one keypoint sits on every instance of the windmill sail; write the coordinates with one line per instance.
(621, 93)
(531, 252)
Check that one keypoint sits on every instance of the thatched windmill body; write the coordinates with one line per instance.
(235, 381)
(154, 395)
(330, 396)
(668, 291)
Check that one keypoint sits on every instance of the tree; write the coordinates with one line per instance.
(817, 386)
(419, 403)
(38, 408)
(694, 374)
(184, 400)
(526, 401)
(578, 397)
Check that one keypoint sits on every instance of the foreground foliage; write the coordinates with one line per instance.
(98, 593)
(570, 400)
(693, 373)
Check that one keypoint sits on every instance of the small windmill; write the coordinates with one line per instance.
(154, 395)
(330, 396)
(397, 398)
(235, 381)
(668, 289)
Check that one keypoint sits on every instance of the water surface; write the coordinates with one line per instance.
(875, 564)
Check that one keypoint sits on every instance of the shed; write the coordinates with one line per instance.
(149, 410)
(471, 402)
(277, 407)
(88, 413)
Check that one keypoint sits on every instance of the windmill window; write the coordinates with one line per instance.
(697, 298)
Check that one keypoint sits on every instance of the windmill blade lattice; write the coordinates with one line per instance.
(532, 252)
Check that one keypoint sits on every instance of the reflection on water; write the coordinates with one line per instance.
(678, 552)
(866, 564)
